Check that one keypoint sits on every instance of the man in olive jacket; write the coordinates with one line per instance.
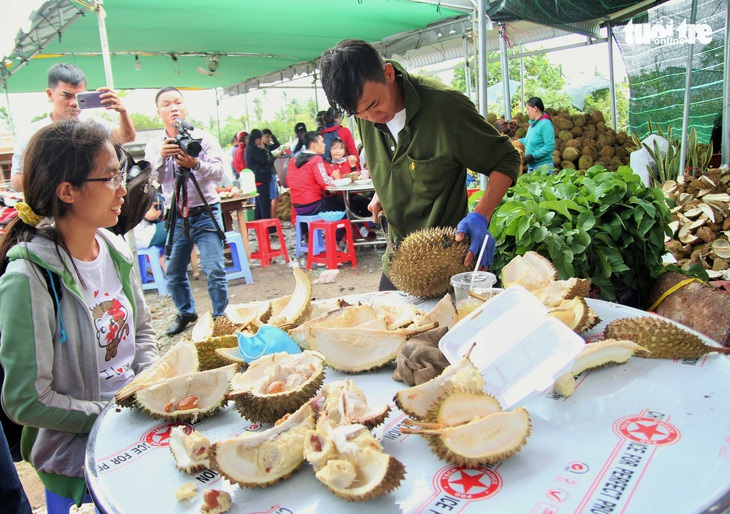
(419, 137)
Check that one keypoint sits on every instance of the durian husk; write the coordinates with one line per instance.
(559, 290)
(261, 459)
(181, 359)
(458, 406)
(593, 356)
(397, 315)
(346, 403)
(209, 386)
(203, 328)
(660, 339)
(248, 389)
(244, 314)
(350, 462)
(425, 261)
(417, 401)
(469, 445)
(350, 316)
(297, 304)
(576, 314)
(444, 314)
(531, 270)
(207, 356)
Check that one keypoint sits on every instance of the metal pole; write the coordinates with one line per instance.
(687, 87)
(611, 84)
(7, 102)
(505, 73)
(482, 53)
(522, 82)
(218, 112)
(314, 86)
(726, 93)
(101, 15)
(467, 69)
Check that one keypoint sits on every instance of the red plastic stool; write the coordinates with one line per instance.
(265, 253)
(331, 255)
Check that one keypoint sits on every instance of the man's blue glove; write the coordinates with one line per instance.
(476, 227)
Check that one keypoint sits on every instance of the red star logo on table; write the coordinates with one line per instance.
(647, 430)
(469, 483)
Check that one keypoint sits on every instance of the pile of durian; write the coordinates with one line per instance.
(701, 226)
(564, 299)
(582, 140)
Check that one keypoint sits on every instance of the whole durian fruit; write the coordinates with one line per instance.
(660, 339)
(425, 261)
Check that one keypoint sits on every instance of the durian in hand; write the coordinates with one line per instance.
(425, 261)
(661, 339)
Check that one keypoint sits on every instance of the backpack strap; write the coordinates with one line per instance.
(53, 283)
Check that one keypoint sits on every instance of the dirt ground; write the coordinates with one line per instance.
(269, 282)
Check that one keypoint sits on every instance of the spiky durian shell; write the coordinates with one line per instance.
(425, 261)
(442, 447)
(661, 339)
(222, 326)
(270, 407)
(206, 351)
(576, 314)
(393, 477)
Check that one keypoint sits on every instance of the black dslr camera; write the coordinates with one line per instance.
(187, 144)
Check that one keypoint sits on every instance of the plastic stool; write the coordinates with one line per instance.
(240, 267)
(265, 253)
(151, 257)
(304, 247)
(331, 256)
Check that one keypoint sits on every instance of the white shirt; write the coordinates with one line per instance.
(113, 319)
(397, 123)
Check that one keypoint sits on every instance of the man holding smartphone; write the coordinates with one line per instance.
(65, 81)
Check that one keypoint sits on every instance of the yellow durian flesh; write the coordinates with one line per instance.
(576, 314)
(459, 407)
(260, 459)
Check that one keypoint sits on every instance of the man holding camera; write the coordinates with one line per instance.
(64, 82)
(167, 156)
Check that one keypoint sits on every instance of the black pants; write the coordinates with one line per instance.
(263, 202)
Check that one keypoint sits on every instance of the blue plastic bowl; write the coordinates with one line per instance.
(332, 215)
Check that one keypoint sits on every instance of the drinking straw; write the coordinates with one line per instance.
(481, 254)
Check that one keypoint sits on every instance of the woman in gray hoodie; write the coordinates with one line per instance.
(74, 326)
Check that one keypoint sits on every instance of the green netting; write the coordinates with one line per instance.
(554, 11)
(657, 68)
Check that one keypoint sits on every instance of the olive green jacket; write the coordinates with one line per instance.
(421, 181)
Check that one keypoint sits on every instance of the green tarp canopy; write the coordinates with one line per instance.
(178, 41)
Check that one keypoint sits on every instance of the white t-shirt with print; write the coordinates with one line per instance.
(112, 316)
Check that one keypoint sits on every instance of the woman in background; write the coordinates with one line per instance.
(74, 325)
(540, 139)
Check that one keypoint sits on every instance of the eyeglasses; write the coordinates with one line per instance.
(115, 182)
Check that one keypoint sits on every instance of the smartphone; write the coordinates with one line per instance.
(90, 100)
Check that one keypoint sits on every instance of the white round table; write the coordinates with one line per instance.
(649, 436)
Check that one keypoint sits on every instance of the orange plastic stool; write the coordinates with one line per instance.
(265, 253)
(331, 256)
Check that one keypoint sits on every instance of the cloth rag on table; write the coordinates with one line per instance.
(420, 359)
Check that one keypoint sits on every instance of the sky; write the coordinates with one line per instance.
(202, 104)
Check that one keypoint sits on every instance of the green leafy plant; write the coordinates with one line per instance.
(602, 225)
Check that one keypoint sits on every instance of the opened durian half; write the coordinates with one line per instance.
(187, 398)
(417, 401)
(350, 316)
(181, 359)
(260, 459)
(660, 339)
(207, 355)
(592, 356)
(190, 451)
(531, 270)
(277, 384)
(576, 314)
(346, 403)
(425, 261)
(295, 307)
(350, 462)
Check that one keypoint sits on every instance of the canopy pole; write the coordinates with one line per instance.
(101, 15)
(218, 112)
(314, 87)
(611, 84)
(467, 69)
(522, 82)
(725, 141)
(505, 72)
(7, 102)
(687, 87)
(482, 53)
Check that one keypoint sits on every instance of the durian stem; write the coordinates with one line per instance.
(422, 424)
(478, 296)
(406, 430)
